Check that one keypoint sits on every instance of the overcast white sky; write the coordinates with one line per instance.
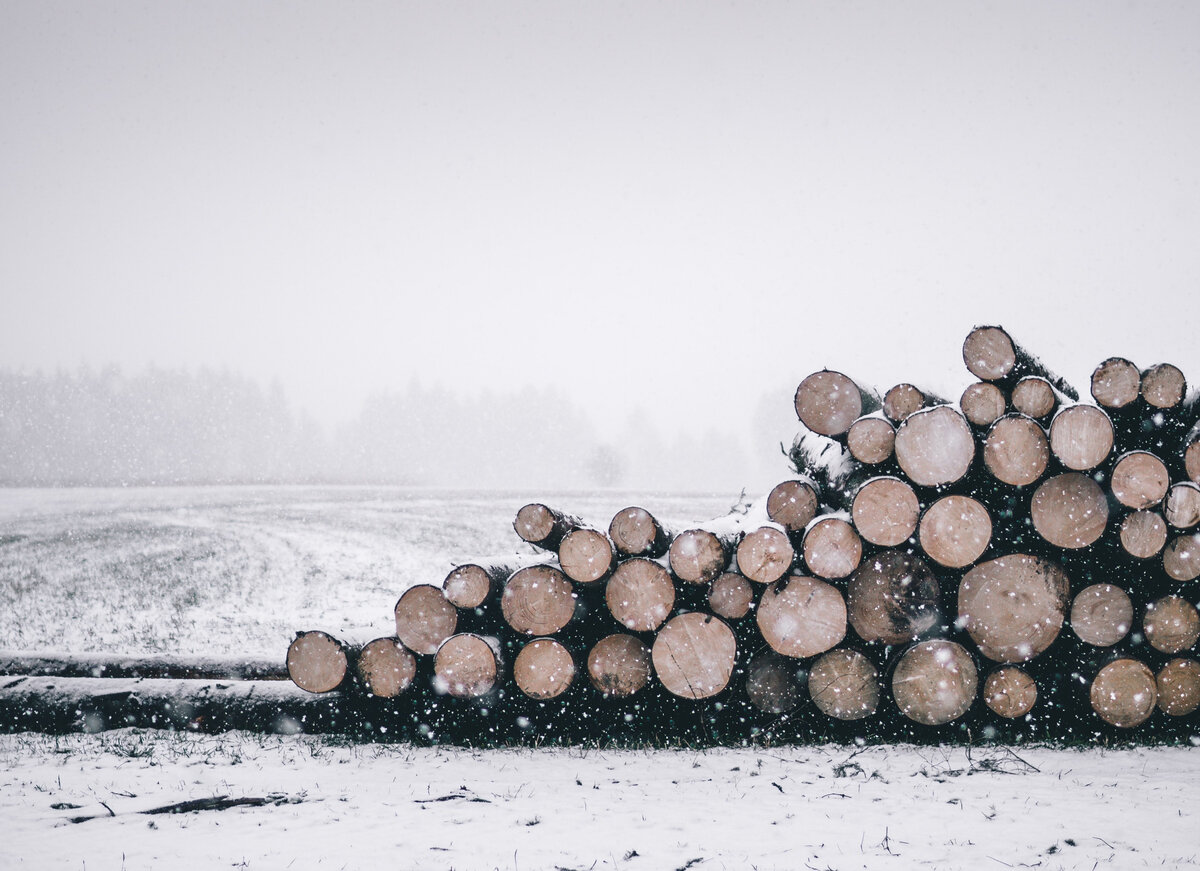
(641, 201)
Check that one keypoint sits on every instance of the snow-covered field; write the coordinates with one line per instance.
(239, 569)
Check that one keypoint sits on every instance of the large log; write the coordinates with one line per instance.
(935, 446)
(1171, 624)
(694, 655)
(586, 556)
(982, 404)
(765, 555)
(1081, 437)
(801, 616)
(1124, 693)
(543, 526)
(1181, 558)
(885, 511)
(1101, 615)
(1139, 480)
(634, 531)
(955, 531)
(844, 685)
(991, 355)
(317, 662)
(544, 669)
(1178, 685)
(424, 619)
(871, 439)
(1116, 383)
(1013, 606)
(831, 547)
(538, 600)
(893, 598)
(161, 666)
(1163, 386)
(1010, 692)
(640, 594)
(619, 665)
(1069, 511)
(731, 596)
(385, 667)
(466, 666)
(1143, 534)
(771, 683)
(792, 504)
(935, 682)
(828, 402)
(1016, 450)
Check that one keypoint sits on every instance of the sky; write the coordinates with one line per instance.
(670, 210)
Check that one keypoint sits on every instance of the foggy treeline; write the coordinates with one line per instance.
(103, 427)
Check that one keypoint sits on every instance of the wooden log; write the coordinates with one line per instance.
(698, 556)
(640, 594)
(1178, 685)
(317, 662)
(619, 665)
(1171, 624)
(1139, 480)
(1143, 534)
(991, 355)
(1036, 397)
(385, 667)
(424, 619)
(765, 555)
(955, 531)
(831, 547)
(1013, 606)
(893, 598)
(543, 526)
(1191, 454)
(466, 666)
(935, 447)
(801, 616)
(831, 466)
(771, 683)
(905, 399)
(1101, 615)
(1116, 383)
(635, 531)
(1010, 692)
(544, 669)
(694, 655)
(844, 684)
(586, 556)
(871, 440)
(1163, 386)
(1182, 508)
(1124, 693)
(471, 584)
(1181, 558)
(935, 682)
(731, 596)
(828, 402)
(1069, 511)
(792, 504)
(885, 511)
(538, 600)
(1016, 450)
(150, 665)
(1081, 437)
(982, 403)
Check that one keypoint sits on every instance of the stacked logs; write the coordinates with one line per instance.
(1019, 563)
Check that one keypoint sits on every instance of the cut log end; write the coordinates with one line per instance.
(1191, 461)
(640, 594)
(1124, 693)
(1013, 606)
(1163, 386)
(1181, 558)
(892, 598)
(466, 666)
(1116, 382)
(1101, 615)
(901, 401)
(694, 655)
(1140, 480)
(731, 596)
(1081, 436)
(1178, 687)
(792, 504)
(1010, 692)
(317, 662)
(538, 600)
(1143, 534)
(989, 353)
(538, 524)
(586, 556)
(844, 685)
(982, 403)
(1034, 397)
(1069, 511)
(424, 619)
(1016, 450)
(829, 402)
(635, 532)
(871, 440)
(832, 548)
(885, 511)
(935, 682)
(619, 665)
(544, 669)
(802, 616)
(467, 586)
(935, 446)
(765, 555)
(955, 531)
(1171, 624)
(386, 668)
(697, 556)
(1182, 508)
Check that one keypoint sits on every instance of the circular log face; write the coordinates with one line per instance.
(765, 555)
(989, 353)
(871, 440)
(1191, 461)
(1183, 505)
(935, 446)
(467, 586)
(1010, 692)
(955, 531)
(1016, 451)
(792, 504)
(1172, 624)
(465, 667)
(802, 616)
(844, 684)
(832, 549)
(543, 669)
(886, 511)
(586, 556)
(694, 655)
(1081, 436)
(634, 531)
(538, 600)
(1181, 558)
(1116, 383)
(982, 403)
(1124, 693)
(640, 594)
(1179, 687)
(316, 662)
(731, 596)
(1013, 606)
(697, 556)
(1143, 534)
(892, 598)
(1163, 386)
(1033, 396)
(619, 665)
(1069, 510)
(1101, 615)
(828, 402)
(771, 684)
(534, 523)
(901, 401)
(1140, 480)
(387, 669)
(424, 619)
(935, 682)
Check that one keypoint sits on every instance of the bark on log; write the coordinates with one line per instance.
(1036, 397)
(885, 511)
(619, 665)
(844, 685)
(1178, 685)
(765, 555)
(1010, 692)
(1171, 624)
(1191, 455)
(991, 355)
(771, 683)
(1016, 450)
(694, 655)
(1143, 534)
(385, 667)
(1124, 693)
(698, 556)
(640, 594)
(1163, 386)
(935, 447)
(871, 440)
(466, 666)
(544, 669)
(905, 399)
(1181, 558)
(983, 404)
(586, 556)
(792, 504)
(1116, 383)
(1013, 606)
(318, 662)
(636, 532)
(1183, 505)
(955, 531)
(801, 616)
(159, 666)
(538, 600)
(935, 682)
(827, 402)
(1140, 480)
(893, 598)
(543, 526)
(424, 619)
(731, 596)
(832, 549)
(1101, 615)
(1081, 437)
(1069, 511)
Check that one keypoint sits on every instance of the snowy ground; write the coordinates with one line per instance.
(204, 570)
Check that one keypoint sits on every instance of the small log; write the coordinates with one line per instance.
(471, 584)
(1163, 386)
(1101, 615)
(832, 549)
(1181, 558)
(1010, 692)
(1171, 624)
(1036, 397)
(544, 669)
(635, 531)
(1081, 437)
(827, 402)
(982, 403)
(1116, 383)
(640, 594)
(424, 619)
(1182, 509)
(1178, 687)
(538, 600)
(1069, 511)
(1191, 455)
(731, 596)
(694, 655)
(385, 667)
(543, 526)
(905, 399)
(893, 598)
(619, 665)
(885, 511)
(765, 555)
(871, 440)
(1143, 534)
(991, 355)
(466, 666)
(935, 447)
(1016, 451)
(1013, 606)
(1124, 693)
(698, 556)
(586, 556)
(1140, 480)
(801, 616)
(771, 683)
(317, 662)
(844, 685)
(955, 531)
(792, 504)
(935, 682)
